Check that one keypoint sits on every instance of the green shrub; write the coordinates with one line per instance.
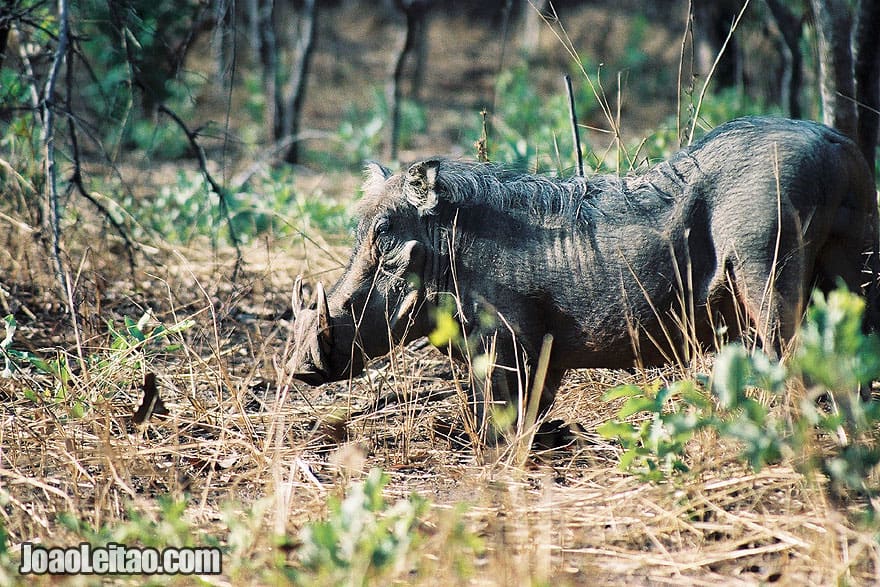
(833, 359)
(363, 539)
(364, 130)
(131, 345)
(268, 204)
(654, 447)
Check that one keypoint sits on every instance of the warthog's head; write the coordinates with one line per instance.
(380, 299)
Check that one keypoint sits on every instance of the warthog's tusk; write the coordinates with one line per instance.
(404, 309)
(325, 338)
(296, 300)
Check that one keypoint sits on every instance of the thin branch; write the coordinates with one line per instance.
(688, 32)
(47, 138)
(77, 178)
(193, 136)
(482, 143)
(575, 133)
(295, 90)
(790, 31)
(4, 38)
(867, 74)
(833, 28)
(415, 11)
(33, 92)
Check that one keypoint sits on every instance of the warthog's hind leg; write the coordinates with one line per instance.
(772, 302)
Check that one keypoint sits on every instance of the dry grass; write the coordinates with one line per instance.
(257, 459)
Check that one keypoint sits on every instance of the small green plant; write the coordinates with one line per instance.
(58, 391)
(131, 345)
(837, 360)
(168, 525)
(268, 204)
(364, 538)
(155, 339)
(834, 359)
(530, 130)
(363, 129)
(745, 418)
(165, 526)
(654, 447)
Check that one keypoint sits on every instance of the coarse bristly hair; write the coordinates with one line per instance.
(515, 192)
(541, 199)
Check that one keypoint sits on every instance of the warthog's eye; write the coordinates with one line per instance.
(382, 239)
(382, 226)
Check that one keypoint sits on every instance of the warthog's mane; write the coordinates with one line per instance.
(538, 199)
(535, 196)
(544, 199)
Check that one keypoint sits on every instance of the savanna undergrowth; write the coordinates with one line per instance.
(808, 408)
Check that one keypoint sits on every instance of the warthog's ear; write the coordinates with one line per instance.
(421, 179)
(374, 178)
(376, 171)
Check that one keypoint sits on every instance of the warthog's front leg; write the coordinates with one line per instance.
(503, 381)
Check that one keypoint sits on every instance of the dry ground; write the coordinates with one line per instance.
(235, 434)
(276, 450)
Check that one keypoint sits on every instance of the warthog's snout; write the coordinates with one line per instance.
(313, 342)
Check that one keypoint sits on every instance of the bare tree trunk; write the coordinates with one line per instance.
(269, 63)
(421, 56)
(223, 31)
(833, 28)
(415, 11)
(47, 139)
(295, 92)
(867, 77)
(532, 23)
(713, 21)
(790, 29)
(252, 9)
(4, 36)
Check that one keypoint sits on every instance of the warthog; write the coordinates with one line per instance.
(621, 271)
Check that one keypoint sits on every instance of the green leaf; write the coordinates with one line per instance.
(687, 391)
(77, 410)
(627, 458)
(41, 365)
(622, 391)
(635, 405)
(10, 326)
(181, 326)
(612, 429)
(733, 368)
(446, 330)
(134, 330)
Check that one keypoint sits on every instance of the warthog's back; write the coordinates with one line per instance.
(757, 212)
